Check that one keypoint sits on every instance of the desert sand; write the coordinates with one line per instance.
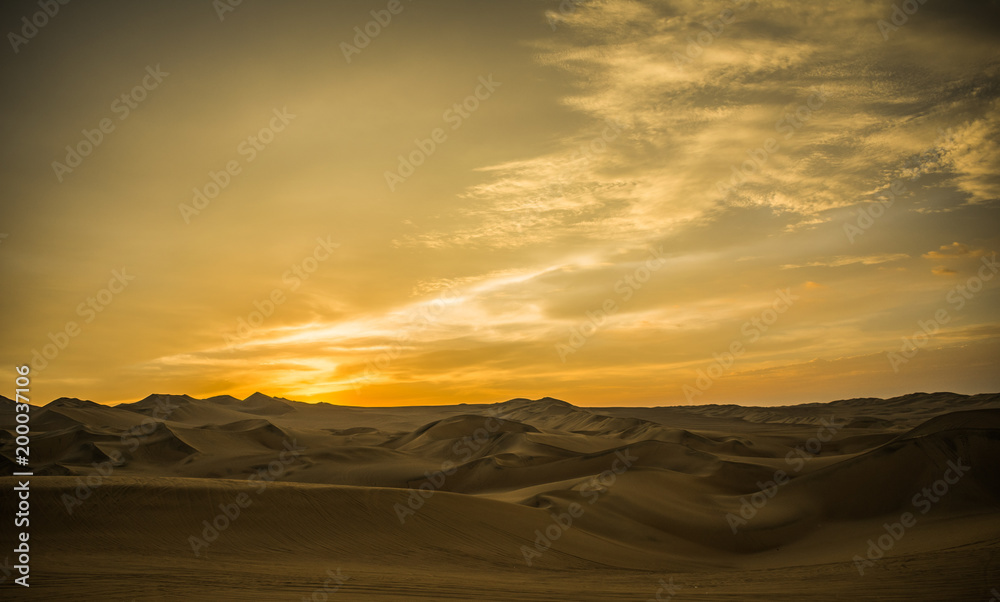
(265, 498)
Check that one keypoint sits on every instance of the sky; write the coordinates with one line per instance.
(611, 202)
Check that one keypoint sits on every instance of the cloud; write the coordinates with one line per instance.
(839, 261)
(953, 250)
(697, 100)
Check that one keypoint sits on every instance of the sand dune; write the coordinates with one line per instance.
(526, 499)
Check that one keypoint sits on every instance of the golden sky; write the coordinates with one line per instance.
(597, 200)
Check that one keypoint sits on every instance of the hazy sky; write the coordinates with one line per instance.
(716, 176)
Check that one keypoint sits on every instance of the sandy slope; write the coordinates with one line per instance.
(523, 500)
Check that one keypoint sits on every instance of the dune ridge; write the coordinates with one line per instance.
(532, 491)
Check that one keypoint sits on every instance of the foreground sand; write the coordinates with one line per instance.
(226, 499)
